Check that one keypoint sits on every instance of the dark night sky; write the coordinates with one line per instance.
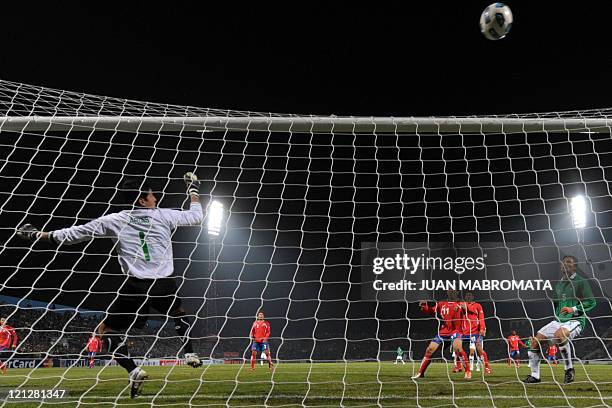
(383, 59)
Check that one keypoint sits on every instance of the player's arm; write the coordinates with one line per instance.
(72, 235)
(14, 338)
(425, 308)
(267, 332)
(587, 300)
(481, 319)
(194, 215)
(253, 331)
(520, 342)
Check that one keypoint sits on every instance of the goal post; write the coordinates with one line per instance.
(327, 224)
(308, 124)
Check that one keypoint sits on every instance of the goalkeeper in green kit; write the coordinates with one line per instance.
(573, 298)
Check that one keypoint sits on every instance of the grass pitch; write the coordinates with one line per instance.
(321, 384)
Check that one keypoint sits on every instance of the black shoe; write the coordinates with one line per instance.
(531, 380)
(137, 379)
(570, 374)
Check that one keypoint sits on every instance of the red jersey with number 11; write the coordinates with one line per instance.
(450, 315)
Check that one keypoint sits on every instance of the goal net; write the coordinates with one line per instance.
(336, 227)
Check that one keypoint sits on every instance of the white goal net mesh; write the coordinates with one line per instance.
(308, 203)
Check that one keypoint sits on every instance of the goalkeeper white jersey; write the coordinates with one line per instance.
(143, 237)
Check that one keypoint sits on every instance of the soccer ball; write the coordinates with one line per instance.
(496, 21)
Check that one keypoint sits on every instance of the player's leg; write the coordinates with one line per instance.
(458, 346)
(4, 358)
(456, 362)
(182, 327)
(472, 352)
(266, 348)
(255, 347)
(563, 336)
(116, 344)
(167, 302)
(535, 353)
(483, 354)
(431, 348)
(123, 314)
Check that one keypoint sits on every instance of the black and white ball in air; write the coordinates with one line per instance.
(496, 21)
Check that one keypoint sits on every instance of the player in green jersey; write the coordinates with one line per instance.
(400, 356)
(573, 298)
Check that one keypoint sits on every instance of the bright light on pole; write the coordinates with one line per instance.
(578, 211)
(215, 218)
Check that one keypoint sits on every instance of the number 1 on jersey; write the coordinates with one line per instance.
(145, 247)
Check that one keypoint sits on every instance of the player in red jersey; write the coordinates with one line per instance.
(552, 354)
(94, 345)
(513, 343)
(8, 342)
(260, 332)
(450, 316)
(474, 330)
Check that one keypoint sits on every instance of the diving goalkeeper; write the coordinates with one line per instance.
(144, 248)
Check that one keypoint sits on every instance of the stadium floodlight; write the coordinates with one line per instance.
(578, 211)
(215, 218)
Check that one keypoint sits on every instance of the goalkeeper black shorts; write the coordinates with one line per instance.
(141, 299)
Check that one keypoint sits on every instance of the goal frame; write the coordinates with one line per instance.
(309, 124)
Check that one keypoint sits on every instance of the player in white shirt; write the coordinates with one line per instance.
(144, 247)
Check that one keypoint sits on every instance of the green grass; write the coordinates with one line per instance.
(333, 384)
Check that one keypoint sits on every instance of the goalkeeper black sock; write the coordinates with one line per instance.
(182, 327)
(115, 344)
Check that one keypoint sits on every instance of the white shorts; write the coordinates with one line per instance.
(549, 330)
(399, 358)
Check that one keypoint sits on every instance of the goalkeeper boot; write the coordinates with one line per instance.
(570, 374)
(137, 378)
(531, 380)
(192, 359)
